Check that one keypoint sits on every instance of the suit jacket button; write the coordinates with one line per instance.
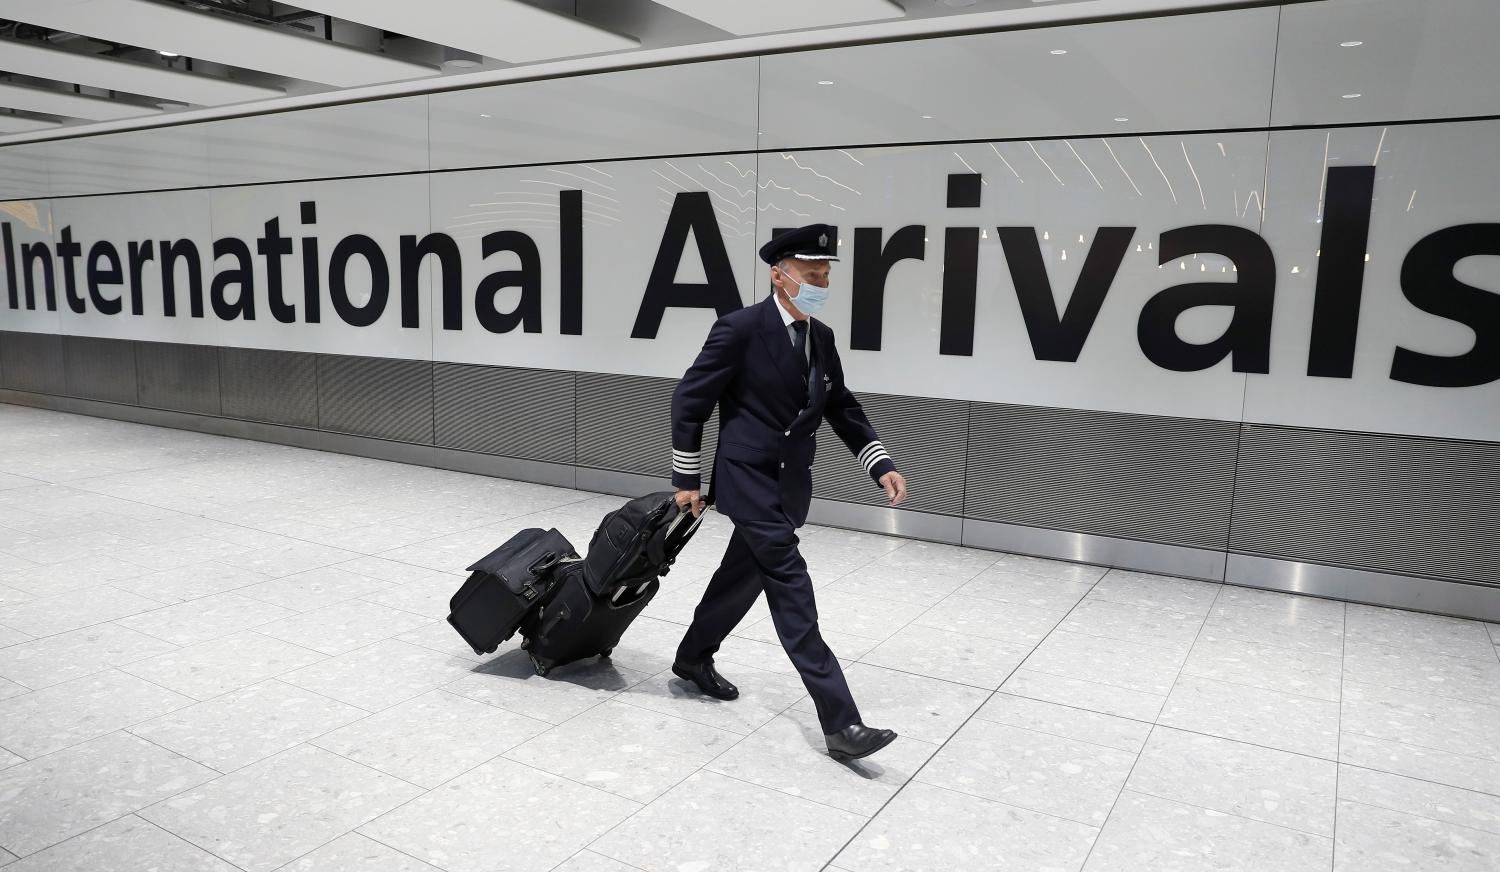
(783, 466)
(787, 433)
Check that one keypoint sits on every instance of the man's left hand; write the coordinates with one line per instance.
(895, 487)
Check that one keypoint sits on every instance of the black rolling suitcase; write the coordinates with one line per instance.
(507, 585)
(596, 599)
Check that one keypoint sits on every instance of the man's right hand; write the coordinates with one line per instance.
(690, 498)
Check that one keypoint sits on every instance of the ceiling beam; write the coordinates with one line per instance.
(215, 38)
(46, 62)
(68, 104)
(17, 124)
(742, 17)
(505, 29)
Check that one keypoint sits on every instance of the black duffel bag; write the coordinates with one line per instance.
(637, 542)
(507, 584)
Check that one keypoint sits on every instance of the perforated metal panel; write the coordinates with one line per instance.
(501, 410)
(1134, 476)
(369, 396)
(925, 437)
(279, 387)
(625, 424)
(32, 362)
(100, 369)
(1401, 504)
(184, 378)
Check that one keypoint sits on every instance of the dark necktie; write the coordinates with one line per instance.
(799, 345)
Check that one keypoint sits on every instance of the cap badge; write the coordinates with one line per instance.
(823, 240)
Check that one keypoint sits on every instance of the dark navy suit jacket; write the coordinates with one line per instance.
(768, 416)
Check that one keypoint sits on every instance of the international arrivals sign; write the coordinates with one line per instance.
(960, 293)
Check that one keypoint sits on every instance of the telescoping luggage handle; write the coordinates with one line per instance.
(683, 515)
(672, 531)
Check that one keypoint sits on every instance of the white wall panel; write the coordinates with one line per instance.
(682, 109)
(1433, 59)
(23, 170)
(120, 220)
(1190, 72)
(30, 221)
(625, 206)
(358, 139)
(1062, 191)
(168, 157)
(1428, 177)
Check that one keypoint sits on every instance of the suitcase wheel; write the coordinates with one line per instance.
(604, 655)
(541, 666)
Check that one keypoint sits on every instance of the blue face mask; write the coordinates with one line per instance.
(809, 299)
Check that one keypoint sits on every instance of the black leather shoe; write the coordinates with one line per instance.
(707, 678)
(856, 741)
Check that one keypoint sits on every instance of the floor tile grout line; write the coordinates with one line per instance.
(1425, 817)
(425, 791)
(1196, 676)
(1419, 746)
(1149, 733)
(587, 850)
(1088, 742)
(1220, 811)
(1040, 671)
(941, 745)
(1495, 793)
(101, 825)
(1012, 804)
(1263, 643)
(816, 802)
(136, 812)
(354, 832)
(740, 740)
(1408, 649)
(1338, 753)
(181, 838)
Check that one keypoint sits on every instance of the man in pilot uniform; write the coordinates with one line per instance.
(774, 374)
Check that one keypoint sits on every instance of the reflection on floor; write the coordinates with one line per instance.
(218, 654)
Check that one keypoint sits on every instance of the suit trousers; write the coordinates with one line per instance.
(763, 555)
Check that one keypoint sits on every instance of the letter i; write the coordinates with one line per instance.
(960, 269)
(311, 292)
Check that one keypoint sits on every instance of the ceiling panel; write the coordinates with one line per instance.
(1344, 61)
(1183, 72)
(770, 16)
(15, 124)
(67, 104)
(44, 62)
(504, 29)
(216, 38)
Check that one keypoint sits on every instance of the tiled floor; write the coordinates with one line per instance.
(220, 655)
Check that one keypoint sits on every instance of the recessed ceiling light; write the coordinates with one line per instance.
(1352, 96)
(826, 82)
(458, 59)
(1352, 43)
(929, 117)
(1059, 51)
(169, 54)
